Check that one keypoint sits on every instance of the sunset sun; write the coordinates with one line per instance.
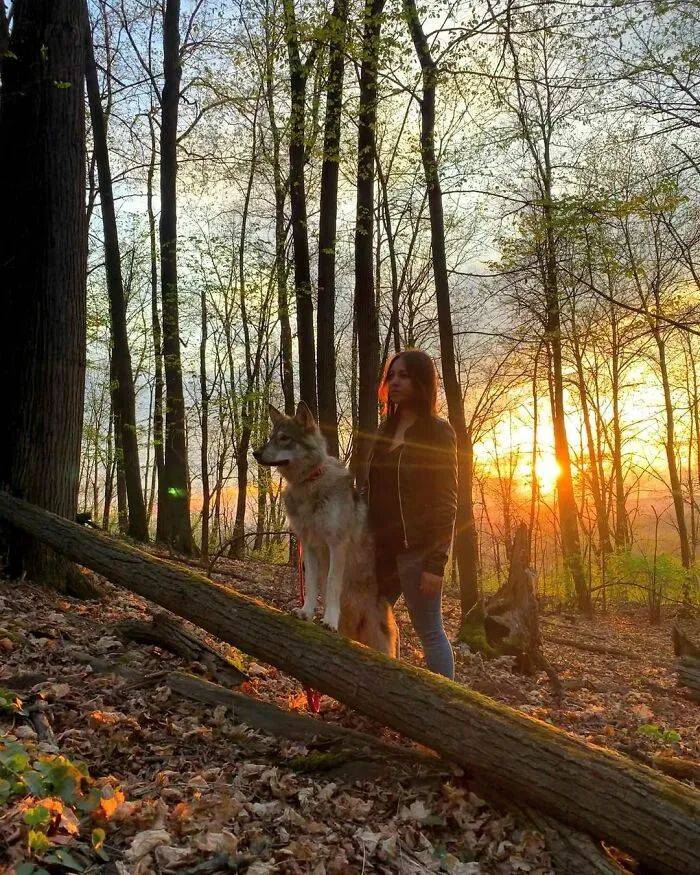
(548, 471)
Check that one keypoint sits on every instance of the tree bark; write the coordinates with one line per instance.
(171, 634)
(365, 305)
(633, 807)
(327, 226)
(123, 389)
(670, 446)
(43, 264)
(595, 480)
(298, 75)
(158, 449)
(4, 44)
(204, 401)
(174, 526)
(286, 364)
(621, 525)
(568, 521)
(465, 539)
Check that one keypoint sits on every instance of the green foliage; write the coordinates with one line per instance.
(37, 816)
(275, 553)
(651, 730)
(664, 576)
(473, 634)
(59, 785)
(10, 702)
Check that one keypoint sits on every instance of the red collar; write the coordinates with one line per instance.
(317, 472)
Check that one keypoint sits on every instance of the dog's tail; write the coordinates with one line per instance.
(370, 621)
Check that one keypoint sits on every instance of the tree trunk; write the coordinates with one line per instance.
(596, 490)
(237, 550)
(327, 225)
(298, 75)
(652, 817)
(568, 521)
(365, 307)
(286, 364)
(123, 389)
(465, 540)
(122, 505)
(174, 526)
(158, 449)
(252, 368)
(4, 43)
(621, 526)
(110, 466)
(670, 446)
(43, 264)
(204, 395)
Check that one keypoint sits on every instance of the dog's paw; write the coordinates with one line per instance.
(303, 613)
(330, 623)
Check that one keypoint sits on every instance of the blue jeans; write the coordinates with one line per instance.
(425, 611)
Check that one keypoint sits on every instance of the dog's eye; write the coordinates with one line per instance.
(284, 439)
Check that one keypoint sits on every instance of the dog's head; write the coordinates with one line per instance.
(296, 445)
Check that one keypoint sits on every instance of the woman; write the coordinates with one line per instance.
(412, 497)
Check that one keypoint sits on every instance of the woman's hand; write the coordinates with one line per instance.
(430, 584)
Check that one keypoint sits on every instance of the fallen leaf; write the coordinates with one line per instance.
(145, 842)
(169, 857)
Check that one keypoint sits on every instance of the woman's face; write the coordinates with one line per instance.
(400, 386)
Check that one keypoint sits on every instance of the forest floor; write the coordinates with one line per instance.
(178, 786)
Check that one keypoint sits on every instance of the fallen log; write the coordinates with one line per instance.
(271, 720)
(591, 648)
(572, 852)
(677, 767)
(170, 634)
(654, 818)
(258, 714)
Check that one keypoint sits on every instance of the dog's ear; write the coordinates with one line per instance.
(275, 414)
(305, 417)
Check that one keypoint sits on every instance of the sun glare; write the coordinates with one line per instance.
(548, 471)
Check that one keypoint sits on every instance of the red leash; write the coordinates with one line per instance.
(313, 697)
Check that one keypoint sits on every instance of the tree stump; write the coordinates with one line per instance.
(506, 623)
(688, 662)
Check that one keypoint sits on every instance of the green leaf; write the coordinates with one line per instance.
(671, 736)
(66, 859)
(14, 757)
(30, 869)
(37, 842)
(37, 816)
(98, 838)
(35, 783)
(10, 702)
(651, 730)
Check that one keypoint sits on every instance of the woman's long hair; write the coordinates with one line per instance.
(424, 377)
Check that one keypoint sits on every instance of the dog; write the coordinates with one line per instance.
(330, 519)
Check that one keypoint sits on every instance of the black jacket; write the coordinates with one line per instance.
(427, 475)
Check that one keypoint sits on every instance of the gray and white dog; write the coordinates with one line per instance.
(326, 514)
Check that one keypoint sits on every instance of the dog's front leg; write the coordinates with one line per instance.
(308, 609)
(334, 585)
